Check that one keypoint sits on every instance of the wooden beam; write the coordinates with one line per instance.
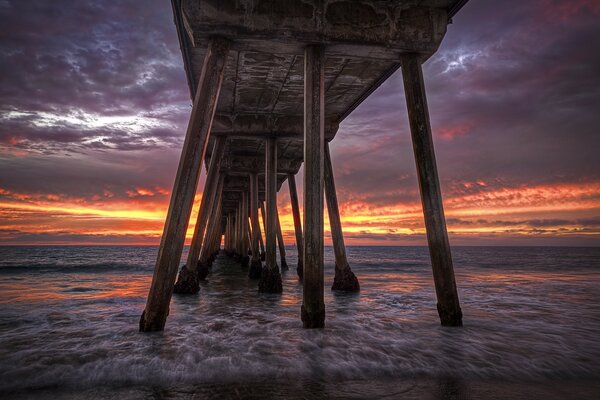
(313, 304)
(155, 313)
(431, 196)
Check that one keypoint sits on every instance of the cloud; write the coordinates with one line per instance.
(94, 76)
(94, 105)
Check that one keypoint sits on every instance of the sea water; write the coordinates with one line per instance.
(69, 327)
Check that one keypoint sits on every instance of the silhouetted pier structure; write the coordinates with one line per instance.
(271, 81)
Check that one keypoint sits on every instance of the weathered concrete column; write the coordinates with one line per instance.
(270, 280)
(344, 279)
(261, 206)
(228, 234)
(215, 242)
(213, 226)
(297, 223)
(280, 242)
(155, 313)
(431, 197)
(313, 304)
(238, 230)
(255, 264)
(192, 272)
(244, 248)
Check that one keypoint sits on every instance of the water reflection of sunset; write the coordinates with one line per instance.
(64, 286)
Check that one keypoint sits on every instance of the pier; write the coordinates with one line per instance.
(271, 81)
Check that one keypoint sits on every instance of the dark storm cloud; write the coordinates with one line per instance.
(94, 74)
(513, 95)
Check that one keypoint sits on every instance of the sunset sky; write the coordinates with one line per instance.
(94, 105)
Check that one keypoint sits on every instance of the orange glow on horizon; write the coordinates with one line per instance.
(137, 217)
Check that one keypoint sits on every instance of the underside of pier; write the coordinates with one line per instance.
(271, 82)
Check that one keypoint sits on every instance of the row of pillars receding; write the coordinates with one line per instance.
(241, 230)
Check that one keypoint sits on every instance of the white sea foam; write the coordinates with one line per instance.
(79, 329)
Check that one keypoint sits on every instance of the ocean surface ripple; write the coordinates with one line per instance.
(70, 319)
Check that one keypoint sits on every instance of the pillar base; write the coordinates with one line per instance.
(313, 319)
(270, 281)
(300, 270)
(203, 270)
(284, 265)
(255, 269)
(244, 261)
(187, 282)
(345, 280)
(449, 317)
(152, 323)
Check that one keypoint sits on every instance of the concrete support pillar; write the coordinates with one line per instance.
(226, 238)
(313, 305)
(261, 206)
(206, 255)
(192, 272)
(238, 230)
(228, 234)
(216, 237)
(344, 279)
(297, 223)
(261, 243)
(431, 197)
(270, 280)
(255, 264)
(281, 243)
(155, 313)
(244, 260)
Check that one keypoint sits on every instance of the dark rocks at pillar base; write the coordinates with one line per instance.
(345, 280)
(284, 266)
(270, 281)
(203, 270)
(255, 269)
(314, 319)
(187, 282)
(244, 261)
(300, 270)
(449, 317)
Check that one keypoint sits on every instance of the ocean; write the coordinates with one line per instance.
(69, 328)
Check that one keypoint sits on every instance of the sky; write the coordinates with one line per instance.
(94, 105)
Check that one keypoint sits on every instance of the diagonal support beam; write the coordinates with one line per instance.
(344, 279)
(213, 226)
(281, 244)
(192, 272)
(297, 222)
(155, 313)
(431, 196)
